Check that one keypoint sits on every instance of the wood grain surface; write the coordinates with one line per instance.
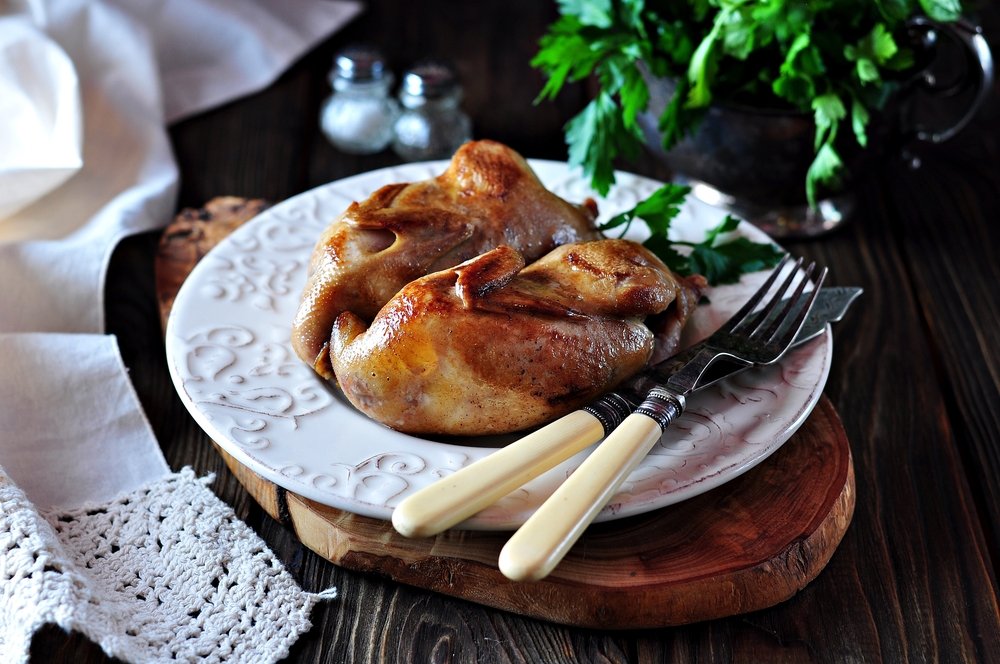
(915, 378)
(742, 547)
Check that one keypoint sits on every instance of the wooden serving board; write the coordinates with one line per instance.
(747, 545)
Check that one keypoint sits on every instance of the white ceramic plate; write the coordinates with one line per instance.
(229, 355)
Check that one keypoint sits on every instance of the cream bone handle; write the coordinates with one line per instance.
(458, 496)
(454, 498)
(545, 538)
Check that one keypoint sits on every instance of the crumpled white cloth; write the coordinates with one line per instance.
(89, 87)
(41, 135)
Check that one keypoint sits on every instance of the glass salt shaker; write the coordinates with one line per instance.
(358, 117)
(431, 124)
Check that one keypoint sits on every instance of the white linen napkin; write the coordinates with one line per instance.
(86, 91)
(41, 139)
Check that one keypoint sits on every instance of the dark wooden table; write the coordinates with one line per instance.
(915, 378)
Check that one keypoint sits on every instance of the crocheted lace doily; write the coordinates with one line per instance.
(166, 572)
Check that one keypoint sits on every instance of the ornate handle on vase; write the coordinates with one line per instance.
(979, 63)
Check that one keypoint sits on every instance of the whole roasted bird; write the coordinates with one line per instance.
(492, 346)
(487, 197)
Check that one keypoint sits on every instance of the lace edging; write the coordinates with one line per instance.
(163, 572)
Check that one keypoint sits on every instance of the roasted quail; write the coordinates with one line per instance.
(487, 197)
(492, 346)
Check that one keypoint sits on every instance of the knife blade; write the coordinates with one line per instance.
(456, 497)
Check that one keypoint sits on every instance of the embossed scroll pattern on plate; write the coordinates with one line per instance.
(231, 361)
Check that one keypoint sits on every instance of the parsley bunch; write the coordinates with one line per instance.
(718, 258)
(837, 59)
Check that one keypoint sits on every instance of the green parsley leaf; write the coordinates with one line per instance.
(740, 33)
(828, 111)
(630, 13)
(729, 224)
(589, 12)
(895, 10)
(874, 50)
(903, 60)
(710, 264)
(657, 210)
(702, 67)
(882, 44)
(564, 55)
(942, 10)
(634, 97)
(717, 259)
(724, 263)
(593, 137)
(666, 251)
(859, 122)
(802, 67)
(867, 71)
(825, 169)
(674, 42)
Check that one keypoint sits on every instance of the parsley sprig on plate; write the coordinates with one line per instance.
(719, 257)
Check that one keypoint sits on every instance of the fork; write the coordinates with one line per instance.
(748, 338)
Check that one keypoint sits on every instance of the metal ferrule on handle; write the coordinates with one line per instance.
(662, 406)
(610, 410)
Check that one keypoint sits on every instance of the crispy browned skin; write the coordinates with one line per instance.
(488, 196)
(492, 346)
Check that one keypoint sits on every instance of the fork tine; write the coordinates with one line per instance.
(740, 316)
(788, 336)
(775, 300)
(765, 312)
(772, 330)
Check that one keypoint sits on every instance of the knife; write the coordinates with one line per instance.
(460, 495)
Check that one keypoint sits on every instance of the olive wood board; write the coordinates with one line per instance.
(746, 545)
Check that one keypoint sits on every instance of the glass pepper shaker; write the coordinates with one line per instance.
(358, 117)
(431, 124)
